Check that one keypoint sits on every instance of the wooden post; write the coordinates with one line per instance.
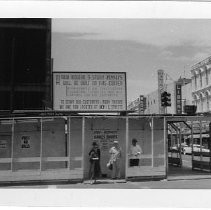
(180, 155)
(83, 142)
(69, 153)
(209, 144)
(152, 141)
(171, 140)
(201, 158)
(126, 146)
(12, 144)
(41, 145)
(192, 144)
(165, 135)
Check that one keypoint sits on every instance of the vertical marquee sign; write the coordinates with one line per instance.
(178, 99)
(89, 91)
(160, 89)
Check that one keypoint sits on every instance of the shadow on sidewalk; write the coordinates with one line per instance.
(186, 173)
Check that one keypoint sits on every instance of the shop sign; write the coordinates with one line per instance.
(105, 138)
(142, 104)
(91, 91)
(25, 142)
(3, 144)
(178, 99)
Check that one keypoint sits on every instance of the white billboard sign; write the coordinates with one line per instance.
(89, 91)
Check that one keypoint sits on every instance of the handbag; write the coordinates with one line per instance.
(109, 165)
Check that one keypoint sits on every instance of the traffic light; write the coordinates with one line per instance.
(165, 99)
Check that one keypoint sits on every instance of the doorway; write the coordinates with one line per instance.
(104, 131)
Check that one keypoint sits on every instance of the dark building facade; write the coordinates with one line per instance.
(25, 64)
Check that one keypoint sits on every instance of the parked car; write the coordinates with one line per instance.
(175, 148)
(187, 149)
(196, 148)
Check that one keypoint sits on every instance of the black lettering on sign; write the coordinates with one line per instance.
(25, 142)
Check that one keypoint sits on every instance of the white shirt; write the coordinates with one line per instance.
(135, 152)
(115, 153)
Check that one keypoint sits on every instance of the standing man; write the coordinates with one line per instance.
(94, 159)
(135, 153)
(115, 158)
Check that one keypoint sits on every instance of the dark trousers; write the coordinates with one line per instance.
(134, 162)
(94, 170)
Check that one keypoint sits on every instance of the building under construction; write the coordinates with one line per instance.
(25, 63)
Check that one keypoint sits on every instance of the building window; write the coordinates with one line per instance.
(207, 100)
(200, 75)
(195, 78)
(201, 103)
(206, 73)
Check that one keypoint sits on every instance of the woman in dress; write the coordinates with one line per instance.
(115, 158)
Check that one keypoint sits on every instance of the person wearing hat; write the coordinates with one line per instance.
(135, 153)
(94, 159)
(115, 158)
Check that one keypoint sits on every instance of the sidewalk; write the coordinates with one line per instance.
(122, 184)
(113, 194)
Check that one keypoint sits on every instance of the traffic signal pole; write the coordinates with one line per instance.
(165, 100)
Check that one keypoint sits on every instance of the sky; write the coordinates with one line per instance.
(138, 47)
